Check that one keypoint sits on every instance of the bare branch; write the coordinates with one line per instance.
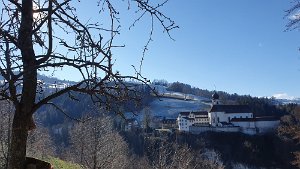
(62, 111)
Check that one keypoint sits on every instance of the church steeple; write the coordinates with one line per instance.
(215, 98)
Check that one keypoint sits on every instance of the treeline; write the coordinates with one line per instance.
(95, 143)
(289, 133)
(259, 106)
(265, 106)
(188, 89)
(259, 151)
(74, 105)
(234, 150)
(71, 107)
(229, 150)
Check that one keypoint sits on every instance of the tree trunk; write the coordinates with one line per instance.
(17, 154)
(23, 121)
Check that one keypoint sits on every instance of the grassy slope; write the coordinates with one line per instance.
(60, 164)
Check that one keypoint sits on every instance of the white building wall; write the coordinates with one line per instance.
(209, 118)
(259, 126)
(184, 124)
(216, 117)
(201, 121)
(244, 124)
(179, 120)
(201, 129)
(267, 126)
(185, 121)
(221, 117)
(239, 115)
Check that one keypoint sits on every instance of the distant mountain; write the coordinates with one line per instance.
(173, 98)
(287, 101)
(49, 81)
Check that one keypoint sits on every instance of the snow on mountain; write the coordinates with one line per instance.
(163, 92)
(170, 104)
(288, 101)
(170, 107)
(284, 98)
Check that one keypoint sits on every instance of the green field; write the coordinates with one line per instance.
(60, 164)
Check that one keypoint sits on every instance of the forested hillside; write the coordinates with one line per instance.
(86, 134)
(259, 106)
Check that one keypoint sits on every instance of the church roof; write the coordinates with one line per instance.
(194, 112)
(184, 113)
(200, 113)
(202, 117)
(230, 108)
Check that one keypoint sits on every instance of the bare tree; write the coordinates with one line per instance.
(290, 126)
(147, 119)
(209, 159)
(48, 35)
(166, 155)
(138, 162)
(289, 132)
(6, 114)
(184, 157)
(293, 16)
(40, 144)
(96, 145)
(169, 155)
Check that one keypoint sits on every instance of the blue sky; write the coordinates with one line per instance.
(239, 46)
